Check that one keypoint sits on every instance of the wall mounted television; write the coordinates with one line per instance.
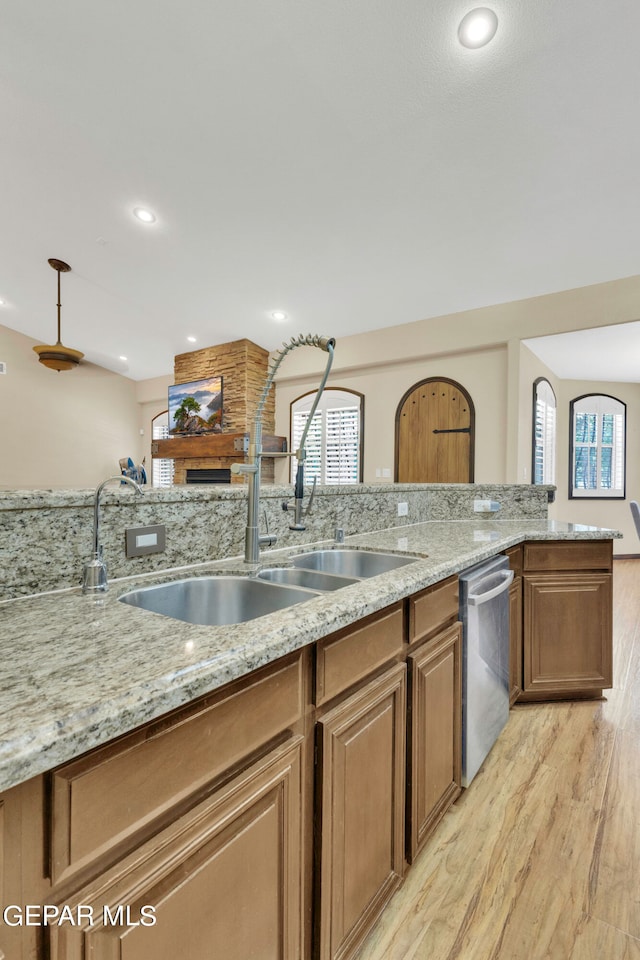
(196, 407)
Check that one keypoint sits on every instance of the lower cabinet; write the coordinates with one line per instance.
(361, 805)
(567, 634)
(435, 681)
(221, 880)
(515, 640)
(568, 601)
(515, 555)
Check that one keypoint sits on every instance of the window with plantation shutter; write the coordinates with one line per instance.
(543, 469)
(161, 469)
(598, 442)
(334, 441)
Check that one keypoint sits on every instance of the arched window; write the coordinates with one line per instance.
(543, 467)
(161, 470)
(597, 447)
(334, 440)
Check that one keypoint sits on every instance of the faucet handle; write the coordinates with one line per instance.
(243, 468)
(311, 496)
(267, 539)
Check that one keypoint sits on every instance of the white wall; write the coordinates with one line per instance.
(483, 373)
(530, 369)
(482, 350)
(614, 514)
(66, 429)
(152, 396)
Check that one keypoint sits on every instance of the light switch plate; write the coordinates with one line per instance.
(139, 541)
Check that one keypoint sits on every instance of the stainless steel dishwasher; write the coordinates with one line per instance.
(484, 612)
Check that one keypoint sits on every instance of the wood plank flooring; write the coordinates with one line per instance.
(540, 858)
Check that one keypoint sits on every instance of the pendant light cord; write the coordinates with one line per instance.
(59, 306)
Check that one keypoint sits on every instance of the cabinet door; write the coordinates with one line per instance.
(435, 724)
(361, 764)
(223, 881)
(567, 633)
(515, 640)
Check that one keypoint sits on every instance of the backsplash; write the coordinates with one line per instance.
(46, 535)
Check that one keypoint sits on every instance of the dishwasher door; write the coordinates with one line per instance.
(484, 611)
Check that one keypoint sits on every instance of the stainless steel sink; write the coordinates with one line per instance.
(351, 563)
(311, 579)
(216, 601)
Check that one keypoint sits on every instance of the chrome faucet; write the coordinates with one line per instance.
(94, 572)
(253, 538)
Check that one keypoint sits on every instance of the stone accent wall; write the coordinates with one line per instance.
(243, 365)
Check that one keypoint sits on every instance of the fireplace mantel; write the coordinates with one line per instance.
(217, 445)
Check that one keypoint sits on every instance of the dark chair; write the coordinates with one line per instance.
(635, 511)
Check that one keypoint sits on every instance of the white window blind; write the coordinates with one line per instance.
(162, 469)
(544, 456)
(598, 454)
(313, 445)
(333, 441)
(342, 445)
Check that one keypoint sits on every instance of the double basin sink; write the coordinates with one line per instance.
(224, 600)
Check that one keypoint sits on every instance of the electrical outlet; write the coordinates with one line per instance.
(403, 509)
(485, 506)
(140, 541)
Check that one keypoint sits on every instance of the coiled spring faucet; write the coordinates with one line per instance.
(253, 539)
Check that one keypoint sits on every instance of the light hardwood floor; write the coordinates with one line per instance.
(540, 858)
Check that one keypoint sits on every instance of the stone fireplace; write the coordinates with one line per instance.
(243, 366)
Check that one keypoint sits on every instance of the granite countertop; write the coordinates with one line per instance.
(75, 671)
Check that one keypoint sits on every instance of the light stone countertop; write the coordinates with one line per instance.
(76, 672)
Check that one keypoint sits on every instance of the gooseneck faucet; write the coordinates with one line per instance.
(253, 538)
(94, 573)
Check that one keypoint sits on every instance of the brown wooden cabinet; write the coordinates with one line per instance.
(361, 794)
(435, 710)
(204, 817)
(225, 877)
(435, 733)
(515, 640)
(515, 624)
(568, 597)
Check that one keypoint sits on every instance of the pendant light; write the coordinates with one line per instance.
(58, 357)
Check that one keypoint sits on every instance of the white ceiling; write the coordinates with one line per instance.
(603, 353)
(347, 162)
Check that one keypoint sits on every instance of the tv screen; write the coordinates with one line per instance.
(195, 407)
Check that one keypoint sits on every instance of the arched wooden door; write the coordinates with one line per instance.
(435, 426)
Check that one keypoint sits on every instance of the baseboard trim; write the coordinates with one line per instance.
(626, 556)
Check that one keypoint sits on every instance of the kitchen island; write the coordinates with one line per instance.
(81, 675)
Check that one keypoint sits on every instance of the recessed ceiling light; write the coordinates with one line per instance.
(191, 339)
(122, 358)
(477, 27)
(2, 302)
(278, 315)
(144, 215)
